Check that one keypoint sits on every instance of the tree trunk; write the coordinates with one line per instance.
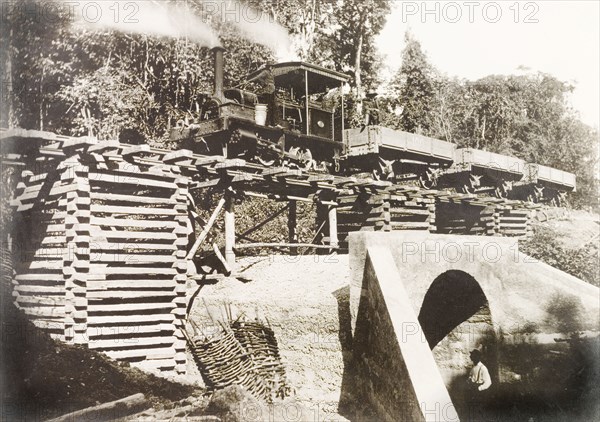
(108, 411)
(357, 68)
(41, 107)
(482, 133)
(10, 107)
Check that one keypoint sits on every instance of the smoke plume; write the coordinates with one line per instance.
(145, 17)
(253, 25)
(176, 19)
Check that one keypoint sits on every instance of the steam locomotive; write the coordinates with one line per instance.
(306, 130)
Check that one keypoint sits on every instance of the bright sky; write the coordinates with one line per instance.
(472, 39)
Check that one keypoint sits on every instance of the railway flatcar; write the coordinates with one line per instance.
(544, 184)
(477, 171)
(397, 155)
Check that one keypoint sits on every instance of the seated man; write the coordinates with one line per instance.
(372, 109)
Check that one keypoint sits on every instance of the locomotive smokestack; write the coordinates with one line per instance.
(219, 63)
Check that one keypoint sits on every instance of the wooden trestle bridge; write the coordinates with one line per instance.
(103, 231)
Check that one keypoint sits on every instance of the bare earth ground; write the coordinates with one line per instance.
(298, 297)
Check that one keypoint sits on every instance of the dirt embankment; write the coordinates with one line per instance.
(42, 378)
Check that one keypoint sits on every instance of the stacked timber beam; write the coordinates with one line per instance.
(411, 209)
(475, 215)
(513, 222)
(361, 210)
(40, 248)
(102, 246)
(377, 206)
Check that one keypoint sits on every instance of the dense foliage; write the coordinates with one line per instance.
(59, 77)
(581, 263)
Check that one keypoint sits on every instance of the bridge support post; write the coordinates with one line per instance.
(229, 230)
(333, 233)
(292, 225)
(321, 227)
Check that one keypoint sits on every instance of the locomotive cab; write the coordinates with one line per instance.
(305, 126)
(305, 103)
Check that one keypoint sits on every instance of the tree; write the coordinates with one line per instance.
(307, 21)
(413, 87)
(352, 44)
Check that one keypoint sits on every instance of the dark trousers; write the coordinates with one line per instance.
(476, 403)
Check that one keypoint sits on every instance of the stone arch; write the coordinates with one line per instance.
(455, 318)
(452, 298)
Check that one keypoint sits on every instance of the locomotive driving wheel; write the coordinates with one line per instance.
(303, 158)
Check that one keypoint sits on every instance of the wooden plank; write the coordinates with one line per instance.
(130, 341)
(275, 171)
(230, 163)
(128, 222)
(46, 265)
(136, 180)
(129, 284)
(131, 247)
(99, 235)
(504, 225)
(49, 311)
(104, 269)
(43, 253)
(178, 156)
(49, 324)
(408, 211)
(207, 161)
(205, 184)
(158, 365)
(94, 320)
(150, 354)
(134, 149)
(126, 307)
(49, 301)
(321, 178)
(124, 329)
(132, 294)
(35, 277)
(408, 225)
(125, 256)
(115, 209)
(120, 198)
(40, 281)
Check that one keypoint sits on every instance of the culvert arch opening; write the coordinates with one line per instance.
(453, 298)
